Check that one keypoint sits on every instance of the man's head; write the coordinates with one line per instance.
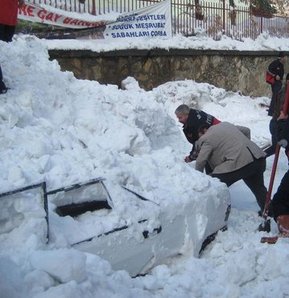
(282, 57)
(203, 129)
(182, 113)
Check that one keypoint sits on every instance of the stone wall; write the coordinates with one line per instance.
(242, 71)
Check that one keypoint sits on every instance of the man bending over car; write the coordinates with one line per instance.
(232, 157)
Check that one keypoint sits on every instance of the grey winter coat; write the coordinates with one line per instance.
(226, 149)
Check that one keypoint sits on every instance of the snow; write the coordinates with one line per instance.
(201, 42)
(62, 130)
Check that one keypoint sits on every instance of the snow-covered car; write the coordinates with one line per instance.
(84, 216)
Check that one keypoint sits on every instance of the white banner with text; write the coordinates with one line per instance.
(151, 21)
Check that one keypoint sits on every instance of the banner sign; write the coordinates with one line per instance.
(49, 15)
(151, 21)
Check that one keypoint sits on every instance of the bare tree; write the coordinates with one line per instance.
(281, 6)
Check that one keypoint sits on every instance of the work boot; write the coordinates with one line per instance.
(283, 225)
(265, 226)
(3, 88)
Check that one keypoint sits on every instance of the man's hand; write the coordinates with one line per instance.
(282, 116)
(193, 156)
(188, 159)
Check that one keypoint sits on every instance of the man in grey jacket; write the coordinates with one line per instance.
(232, 157)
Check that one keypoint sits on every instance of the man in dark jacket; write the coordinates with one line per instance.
(280, 205)
(275, 120)
(276, 69)
(192, 120)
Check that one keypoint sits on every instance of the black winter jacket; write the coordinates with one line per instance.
(197, 119)
(276, 68)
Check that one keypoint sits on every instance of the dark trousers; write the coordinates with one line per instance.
(273, 127)
(252, 175)
(276, 87)
(6, 32)
(280, 201)
(2, 85)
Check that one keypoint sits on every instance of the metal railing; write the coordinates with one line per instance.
(216, 19)
(212, 19)
(96, 7)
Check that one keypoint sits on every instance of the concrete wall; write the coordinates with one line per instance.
(242, 71)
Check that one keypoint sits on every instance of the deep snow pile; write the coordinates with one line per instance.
(63, 130)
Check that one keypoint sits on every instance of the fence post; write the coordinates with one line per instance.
(93, 8)
(224, 17)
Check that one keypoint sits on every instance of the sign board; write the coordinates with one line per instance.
(148, 22)
(151, 21)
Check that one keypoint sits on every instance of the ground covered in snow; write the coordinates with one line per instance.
(62, 130)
